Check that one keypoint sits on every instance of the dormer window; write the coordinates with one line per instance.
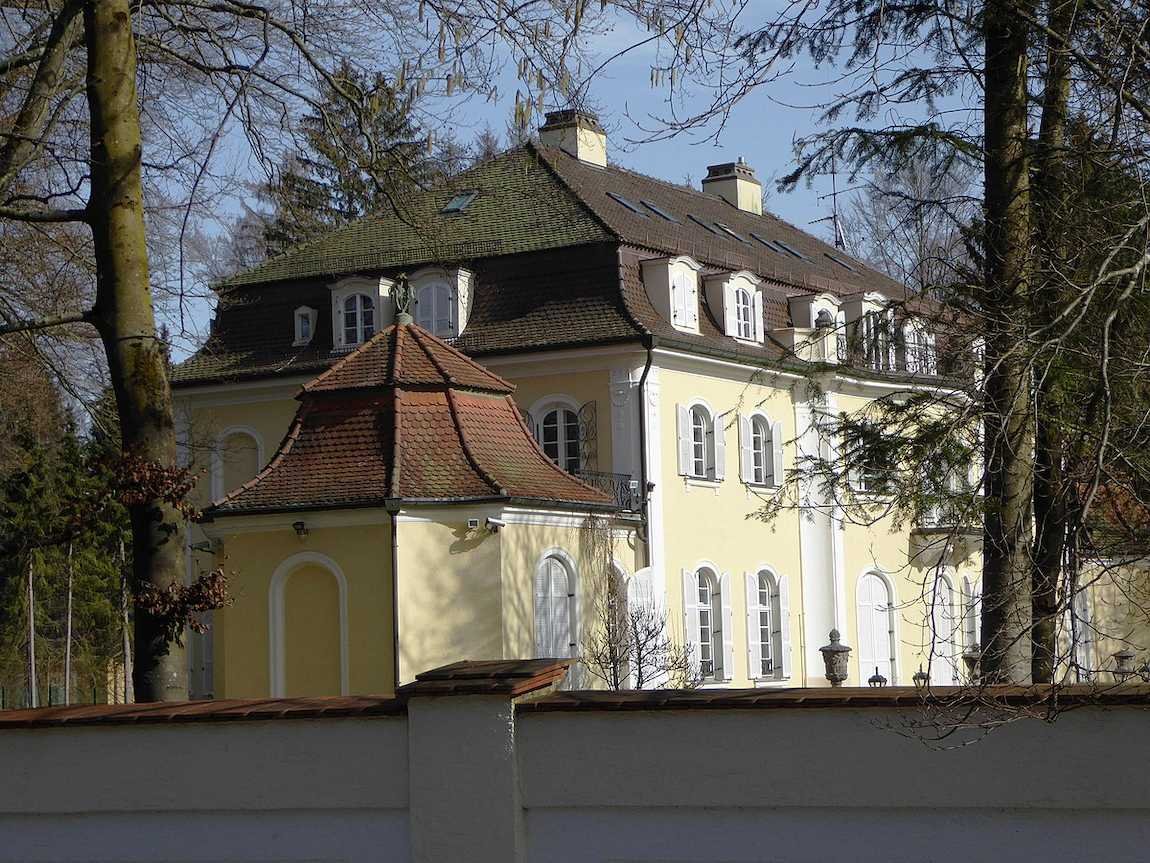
(878, 339)
(918, 344)
(304, 325)
(360, 307)
(673, 286)
(358, 319)
(442, 300)
(737, 301)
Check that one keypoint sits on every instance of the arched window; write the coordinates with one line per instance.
(971, 612)
(744, 314)
(237, 458)
(768, 638)
(919, 348)
(702, 443)
(555, 623)
(875, 628)
(943, 652)
(559, 437)
(358, 319)
(435, 309)
(308, 627)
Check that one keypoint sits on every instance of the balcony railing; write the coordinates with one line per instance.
(620, 486)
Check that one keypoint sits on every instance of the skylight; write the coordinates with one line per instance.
(659, 211)
(792, 250)
(630, 206)
(768, 244)
(729, 230)
(840, 262)
(701, 223)
(461, 201)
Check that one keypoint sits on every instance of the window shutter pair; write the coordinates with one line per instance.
(717, 443)
(691, 617)
(724, 603)
(774, 466)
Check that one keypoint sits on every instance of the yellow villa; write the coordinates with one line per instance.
(669, 353)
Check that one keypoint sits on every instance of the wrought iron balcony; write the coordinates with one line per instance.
(621, 486)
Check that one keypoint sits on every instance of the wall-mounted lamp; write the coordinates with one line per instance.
(300, 529)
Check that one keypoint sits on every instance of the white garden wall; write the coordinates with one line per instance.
(455, 777)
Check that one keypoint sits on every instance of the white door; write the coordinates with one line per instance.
(875, 625)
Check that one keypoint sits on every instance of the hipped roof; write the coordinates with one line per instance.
(407, 418)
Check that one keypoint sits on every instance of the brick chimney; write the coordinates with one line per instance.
(735, 183)
(576, 133)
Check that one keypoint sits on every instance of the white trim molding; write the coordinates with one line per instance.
(276, 650)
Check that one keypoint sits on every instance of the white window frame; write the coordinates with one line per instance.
(459, 287)
(718, 655)
(299, 316)
(744, 315)
(543, 593)
(760, 450)
(378, 289)
(776, 613)
(362, 300)
(891, 642)
(722, 291)
(714, 448)
(919, 355)
(539, 411)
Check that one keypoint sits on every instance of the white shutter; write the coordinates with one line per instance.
(778, 475)
(542, 618)
(729, 322)
(784, 661)
(866, 627)
(720, 447)
(691, 617)
(692, 300)
(728, 628)
(758, 321)
(683, 427)
(425, 309)
(754, 641)
(746, 450)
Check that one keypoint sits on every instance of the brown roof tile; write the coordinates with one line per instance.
(407, 417)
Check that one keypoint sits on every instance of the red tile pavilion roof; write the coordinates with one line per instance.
(407, 418)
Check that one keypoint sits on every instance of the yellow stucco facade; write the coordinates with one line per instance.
(468, 593)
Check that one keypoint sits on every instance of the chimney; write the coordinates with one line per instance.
(735, 183)
(576, 133)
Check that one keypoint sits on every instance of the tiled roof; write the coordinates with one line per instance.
(521, 207)
(407, 356)
(697, 232)
(555, 258)
(406, 417)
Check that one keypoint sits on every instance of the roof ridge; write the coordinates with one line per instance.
(419, 333)
(544, 159)
(342, 361)
(467, 451)
(396, 426)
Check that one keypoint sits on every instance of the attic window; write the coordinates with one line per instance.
(461, 201)
(840, 262)
(701, 223)
(768, 244)
(792, 250)
(634, 209)
(729, 230)
(659, 211)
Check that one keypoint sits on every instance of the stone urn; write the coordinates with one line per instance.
(835, 657)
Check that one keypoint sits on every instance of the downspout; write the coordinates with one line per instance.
(643, 492)
(392, 513)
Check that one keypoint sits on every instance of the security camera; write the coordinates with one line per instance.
(473, 524)
(495, 524)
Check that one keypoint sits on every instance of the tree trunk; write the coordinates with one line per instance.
(125, 320)
(1050, 202)
(68, 635)
(33, 700)
(1009, 436)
